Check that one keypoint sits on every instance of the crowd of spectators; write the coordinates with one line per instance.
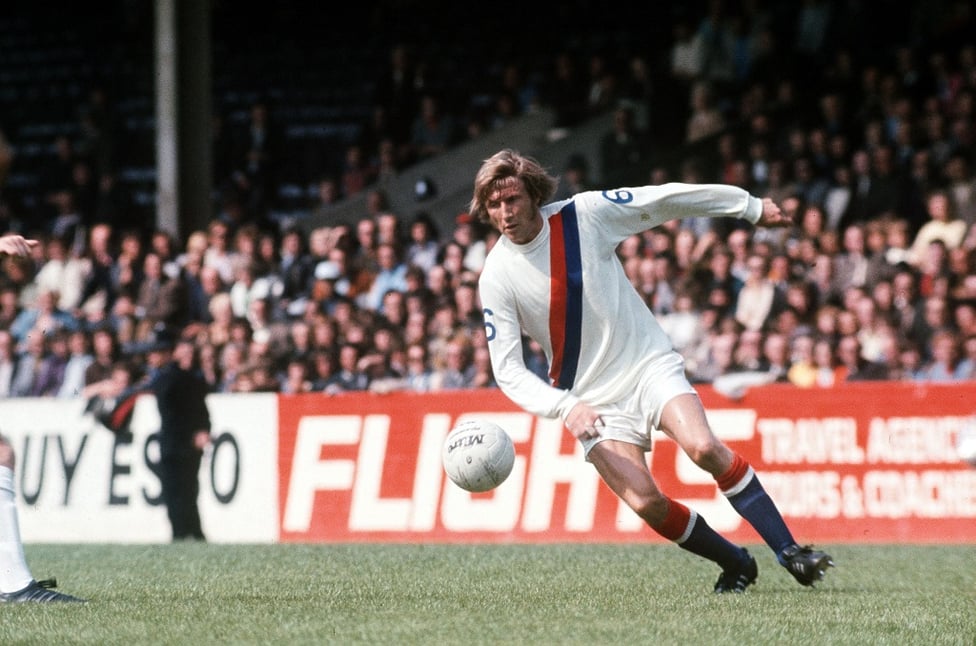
(873, 155)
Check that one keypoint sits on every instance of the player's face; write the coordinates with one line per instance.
(513, 212)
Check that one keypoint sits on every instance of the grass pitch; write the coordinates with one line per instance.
(488, 594)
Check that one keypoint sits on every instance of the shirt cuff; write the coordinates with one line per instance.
(753, 209)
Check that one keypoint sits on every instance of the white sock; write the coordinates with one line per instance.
(14, 573)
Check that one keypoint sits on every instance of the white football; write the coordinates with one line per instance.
(478, 455)
(966, 443)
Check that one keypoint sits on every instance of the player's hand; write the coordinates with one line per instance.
(201, 439)
(584, 422)
(16, 245)
(772, 215)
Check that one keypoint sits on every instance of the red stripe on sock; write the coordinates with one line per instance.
(676, 522)
(735, 473)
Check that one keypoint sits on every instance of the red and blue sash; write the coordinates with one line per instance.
(565, 296)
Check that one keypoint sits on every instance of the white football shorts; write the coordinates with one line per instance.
(634, 418)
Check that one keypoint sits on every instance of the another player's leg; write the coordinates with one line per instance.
(684, 421)
(16, 582)
(623, 467)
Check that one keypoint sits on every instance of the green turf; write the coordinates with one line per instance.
(480, 594)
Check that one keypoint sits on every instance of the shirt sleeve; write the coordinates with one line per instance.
(513, 377)
(626, 211)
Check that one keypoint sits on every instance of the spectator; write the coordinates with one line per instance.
(622, 150)
(855, 366)
(423, 245)
(482, 375)
(30, 361)
(296, 378)
(10, 306)
(871, 330)
(197, 293)
(775, 356)
(322, 366)
(966, 369)
(434, 130)
(161, 298)
(8, 364)
(356, 173)
(758, 299)
(837, 198)
(393, 312)
(452, 366)
(945, 364)
(364, 261)
(942, 225)
(348, 375)
(105, 353)
(79, 360)
(451, 261)
(747, 356)
(897, 243)
(829, 371)
(706, 119)
(468, 307)
(390, 275)
(853, 267)
(683, 325)
(327, 196)
(231, 363)
(961, 186)
(685, 58)
(472, 247)
(218, 331)
(63, 273)
(294, 266)
(257, 158)
(245, 288)
(802, 371)
(418, 375)
(575, 178)
(50, 373)
(910, 366)
(566, 90)
(721, 286)
(43, 319)
(718, 357)
(218, 253)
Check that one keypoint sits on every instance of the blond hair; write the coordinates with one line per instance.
(504, 165)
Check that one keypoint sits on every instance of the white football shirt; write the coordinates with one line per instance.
(567, 290)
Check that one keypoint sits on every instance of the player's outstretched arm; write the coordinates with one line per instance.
(772, 215)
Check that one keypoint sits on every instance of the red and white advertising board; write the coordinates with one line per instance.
(861, 463)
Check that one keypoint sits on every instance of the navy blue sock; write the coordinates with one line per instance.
(742, 488)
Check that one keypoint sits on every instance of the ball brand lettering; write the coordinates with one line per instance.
(467, 440)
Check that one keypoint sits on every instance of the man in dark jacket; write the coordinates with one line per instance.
(184, 429)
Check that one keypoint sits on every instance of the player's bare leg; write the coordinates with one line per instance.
(683, 420)
(623, 467)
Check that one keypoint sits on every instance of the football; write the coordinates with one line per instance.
(478, 455)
